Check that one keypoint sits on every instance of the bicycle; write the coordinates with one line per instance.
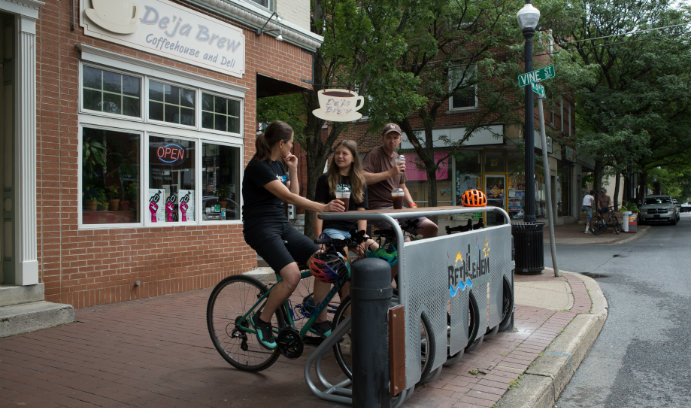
(599, 224)
(236, 298)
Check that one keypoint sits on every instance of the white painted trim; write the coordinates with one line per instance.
(141, 67)
(25, 236)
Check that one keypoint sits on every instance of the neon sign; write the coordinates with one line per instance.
(170, 153)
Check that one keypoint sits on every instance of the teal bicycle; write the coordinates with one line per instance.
(236, 298)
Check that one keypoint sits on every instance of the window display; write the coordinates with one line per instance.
(110, 176)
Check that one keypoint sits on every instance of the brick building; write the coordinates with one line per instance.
(125, 129)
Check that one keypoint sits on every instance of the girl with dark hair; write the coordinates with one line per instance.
(266, 186)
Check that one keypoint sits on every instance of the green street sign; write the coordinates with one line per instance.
(536, 76)
(540, 90)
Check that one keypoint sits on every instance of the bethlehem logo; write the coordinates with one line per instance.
(464, 270)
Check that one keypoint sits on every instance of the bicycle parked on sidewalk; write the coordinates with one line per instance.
(236, 298)
(599, 224)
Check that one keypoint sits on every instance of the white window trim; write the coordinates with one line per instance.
(145, 127)
(452, 109)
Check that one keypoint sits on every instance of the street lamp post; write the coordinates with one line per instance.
(528, 16)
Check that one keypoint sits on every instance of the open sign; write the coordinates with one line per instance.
(170, 153)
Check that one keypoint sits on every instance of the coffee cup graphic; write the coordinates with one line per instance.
(116, 16)
(339, 105)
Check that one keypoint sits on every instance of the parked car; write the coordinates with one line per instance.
(685, 207)
(658, 208)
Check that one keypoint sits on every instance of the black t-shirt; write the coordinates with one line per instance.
(323, 195)
(259, 205)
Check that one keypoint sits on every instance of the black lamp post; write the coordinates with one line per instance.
(528, 16)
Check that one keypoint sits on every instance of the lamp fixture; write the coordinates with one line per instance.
(528, 16)
(262, 30)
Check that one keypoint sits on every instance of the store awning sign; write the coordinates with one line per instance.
(339, 105)
(167, 29)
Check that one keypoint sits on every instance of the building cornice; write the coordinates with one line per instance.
(254, 18)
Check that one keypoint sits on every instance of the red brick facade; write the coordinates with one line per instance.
(91, 267)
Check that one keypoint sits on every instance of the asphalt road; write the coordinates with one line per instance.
(642, 357)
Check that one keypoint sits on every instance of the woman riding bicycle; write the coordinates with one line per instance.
(266, 186)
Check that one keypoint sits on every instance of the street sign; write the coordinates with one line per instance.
(536, 76)
(540, 90)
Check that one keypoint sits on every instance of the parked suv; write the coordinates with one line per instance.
(659, 208)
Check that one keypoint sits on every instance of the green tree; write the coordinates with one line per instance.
(635, 115)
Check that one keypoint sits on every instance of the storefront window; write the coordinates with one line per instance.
(176, 183)
(221, 179)
(170, 103)
(110, 176)
(416, 179)
(110, 92)
(495, 162)
(468, 172)
(516, 185)
(171, 180)
(220, 113)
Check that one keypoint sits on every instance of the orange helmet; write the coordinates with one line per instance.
(474, 198)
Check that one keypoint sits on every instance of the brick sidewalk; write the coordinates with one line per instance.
(157, 353)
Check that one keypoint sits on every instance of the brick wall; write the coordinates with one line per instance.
(91, 267)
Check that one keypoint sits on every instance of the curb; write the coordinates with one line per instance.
(546, 377)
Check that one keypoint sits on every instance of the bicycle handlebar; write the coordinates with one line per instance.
(356, 238)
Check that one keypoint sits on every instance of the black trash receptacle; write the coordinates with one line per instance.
(529, 254)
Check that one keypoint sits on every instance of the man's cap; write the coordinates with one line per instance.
(391, 127)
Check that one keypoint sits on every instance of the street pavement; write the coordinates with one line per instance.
(156, 352)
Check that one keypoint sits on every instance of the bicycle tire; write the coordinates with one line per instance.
(342, 349)
(616, 224)
(233, 297)
(473, 323)
(506, 306)
(598, 226)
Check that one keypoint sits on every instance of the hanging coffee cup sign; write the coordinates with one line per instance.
(339, 105)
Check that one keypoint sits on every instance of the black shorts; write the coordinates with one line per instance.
(280, 244)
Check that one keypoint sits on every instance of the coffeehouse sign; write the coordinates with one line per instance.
(169, 30)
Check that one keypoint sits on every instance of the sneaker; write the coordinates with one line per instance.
(264, 333)
(321, 329)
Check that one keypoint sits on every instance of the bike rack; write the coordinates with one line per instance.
(477, 260)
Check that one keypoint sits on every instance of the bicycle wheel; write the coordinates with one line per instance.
(342, 349)
(598, 226)
(231, 303)
(506, 306)
(473, 324)
(616, 224)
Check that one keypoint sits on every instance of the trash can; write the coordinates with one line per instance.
(529, 254)
(633, 222)
(625, 220)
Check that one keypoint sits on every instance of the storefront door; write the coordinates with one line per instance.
(495, 188)
(7, 103)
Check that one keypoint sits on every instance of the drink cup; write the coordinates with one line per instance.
(397, 197)
(344, 196)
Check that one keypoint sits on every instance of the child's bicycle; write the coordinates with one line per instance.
(236, 298)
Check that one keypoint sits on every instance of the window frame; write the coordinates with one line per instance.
(144, 127)
(472, 68)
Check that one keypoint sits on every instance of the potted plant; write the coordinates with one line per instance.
(222, 196)
(114, 197)
(132, 193)
(91, 196)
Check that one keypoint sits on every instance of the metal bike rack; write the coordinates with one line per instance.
(435, 278)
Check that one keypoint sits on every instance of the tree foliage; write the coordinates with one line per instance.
(635, 115)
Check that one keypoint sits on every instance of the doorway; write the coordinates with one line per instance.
(7, 103)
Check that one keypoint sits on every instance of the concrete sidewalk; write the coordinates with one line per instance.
(157, 353)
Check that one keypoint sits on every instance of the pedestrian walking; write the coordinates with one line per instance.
(588, 204)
